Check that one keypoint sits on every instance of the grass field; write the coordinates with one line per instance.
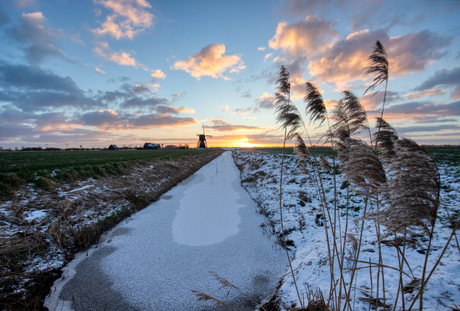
(442, 154)
(39, 167)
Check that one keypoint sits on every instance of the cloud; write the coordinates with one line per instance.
(300, 43)
(245, 111)
(38, 40)
(145, 103)
(128, 18)
(443, 77)
(372, 14)
(107, 119)
(176, 97)
(158, 74)
(373, 100)
(413, 52)
(261, 48)
(210, 61)
(53, 122)
(266, 101)
(347, 60)
(141, 96)
(224, 126)
(267, 56)
(34, 78)
(429, 128)
(173, 110)
(425, 108)
(243, 93)
(32, 88)
(309, 36)
(301, 7)
(12, 115)
(99, 70)
(224, 108)
(16, 124)
(14, 131)
(159, 120)
(430, 92)
(123, 58)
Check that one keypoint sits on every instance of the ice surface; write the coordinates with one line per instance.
(156, 257)
(208, 210)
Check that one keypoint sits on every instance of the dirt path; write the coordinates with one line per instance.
(156, 257)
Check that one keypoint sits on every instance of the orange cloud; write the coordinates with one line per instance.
(158, 74)
(430, 92)
(347, 60)
(341, 66)
(310, 36)
(413, 52)
(128, 19)
(224, 126)
(210, 61)
(98, 70)
(123, 58)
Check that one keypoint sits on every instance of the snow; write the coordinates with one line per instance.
(36, 215)
(81, 188)
(156, 257)
(301, 212)
(208, 211)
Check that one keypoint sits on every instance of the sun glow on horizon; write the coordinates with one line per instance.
(246, 144)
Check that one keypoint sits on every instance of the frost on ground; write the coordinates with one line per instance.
(41, 230)
(304, 226)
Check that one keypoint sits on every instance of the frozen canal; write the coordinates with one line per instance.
(156, 257)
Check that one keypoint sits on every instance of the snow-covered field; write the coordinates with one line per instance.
(305, 234)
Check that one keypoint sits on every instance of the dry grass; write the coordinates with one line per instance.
(398, 179)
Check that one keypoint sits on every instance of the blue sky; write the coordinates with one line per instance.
(125, 72)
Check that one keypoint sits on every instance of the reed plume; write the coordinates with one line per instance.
(380, 69)
(288, 114)
(363, 169)
(385, 139)
(379, 66)
(291, 121)
(315, 104)
(413, 188)
(324, 163)
(350, 116)
(301, 149)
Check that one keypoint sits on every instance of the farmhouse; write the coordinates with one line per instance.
(152, 146)
(113, 147)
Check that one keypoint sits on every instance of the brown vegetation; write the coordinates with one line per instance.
(75, 214)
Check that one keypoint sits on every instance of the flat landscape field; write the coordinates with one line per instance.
(41, 161)
(18, 168)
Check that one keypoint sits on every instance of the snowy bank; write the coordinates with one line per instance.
(304, 228)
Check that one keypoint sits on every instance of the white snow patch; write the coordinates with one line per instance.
(208, 213)
(37, 215)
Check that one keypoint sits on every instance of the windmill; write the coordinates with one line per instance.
(201, 143)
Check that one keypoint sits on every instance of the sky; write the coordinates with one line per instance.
(93, 73)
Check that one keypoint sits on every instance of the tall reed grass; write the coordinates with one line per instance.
(398, 180)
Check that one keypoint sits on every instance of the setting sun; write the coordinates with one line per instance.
(246, 144)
